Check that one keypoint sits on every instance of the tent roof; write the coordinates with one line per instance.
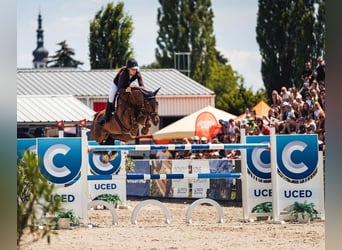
(185, 127)
(50, 108)
(261, 109)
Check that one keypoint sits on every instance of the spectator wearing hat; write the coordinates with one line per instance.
(308, 99)
(223, 129)
(231, 126)
(204, 140)
(195, 139)
(251, 125)
(284, 94)
(299, 100)
(284, 110)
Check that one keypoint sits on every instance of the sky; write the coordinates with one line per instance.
(234, 30)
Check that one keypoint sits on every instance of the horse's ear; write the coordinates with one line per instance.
(155, 92)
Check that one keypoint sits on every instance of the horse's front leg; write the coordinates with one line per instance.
(134, 126)
(146, 127)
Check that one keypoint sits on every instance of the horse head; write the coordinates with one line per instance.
(151, 105)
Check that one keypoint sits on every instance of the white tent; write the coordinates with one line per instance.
(186, 127)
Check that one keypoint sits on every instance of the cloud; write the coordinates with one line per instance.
(247, 64)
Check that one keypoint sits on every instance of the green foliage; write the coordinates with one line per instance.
(63, 57)
(33, 198)
(129, 164)
(68, 213)
(187, 26)
(111, 198)
(289, 33)
(109, 37)
(303, 208)
(265, 207)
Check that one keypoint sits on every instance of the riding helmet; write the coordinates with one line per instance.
(132, 64)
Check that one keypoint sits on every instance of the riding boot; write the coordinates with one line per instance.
(115, 103)
(108, 114)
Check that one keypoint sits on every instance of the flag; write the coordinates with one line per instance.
(82, 123)
(60, 124)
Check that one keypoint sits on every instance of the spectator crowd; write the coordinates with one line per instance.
(292, 111)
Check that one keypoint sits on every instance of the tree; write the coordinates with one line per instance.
(33, 198)
(289, 33)
(187, 26)
(63, 57)
(232, 95)
(109, 38)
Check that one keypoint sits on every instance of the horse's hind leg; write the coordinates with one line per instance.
(111, 154)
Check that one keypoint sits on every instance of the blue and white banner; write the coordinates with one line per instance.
(258, 178)
(97, 167)
(180, 186)
(139, 187)
(61, 164)
(299, 172)
(199, 186)
(24, 145)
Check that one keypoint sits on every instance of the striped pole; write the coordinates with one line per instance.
(140, 176)
(94, 148)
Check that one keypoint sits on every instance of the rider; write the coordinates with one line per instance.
(121, 84)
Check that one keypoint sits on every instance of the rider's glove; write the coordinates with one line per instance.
(128, 89)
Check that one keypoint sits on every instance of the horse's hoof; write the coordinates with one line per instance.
(113, 156)
(144, 130)
(105, 159)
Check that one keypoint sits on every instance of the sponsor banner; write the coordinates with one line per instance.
(115, 187)
(258, 176)
(199, 186)
(204, 122)
(25, 144)
(139, 187)
(299, 171)
(108, 187)
(61, 165)
(161, 187)
(221, 189)
(99, 168)
(180, 186)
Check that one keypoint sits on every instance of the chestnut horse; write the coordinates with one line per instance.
(138, 107)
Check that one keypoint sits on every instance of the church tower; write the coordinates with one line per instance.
(40, 54)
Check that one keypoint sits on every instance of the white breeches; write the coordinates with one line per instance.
(112, 93)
